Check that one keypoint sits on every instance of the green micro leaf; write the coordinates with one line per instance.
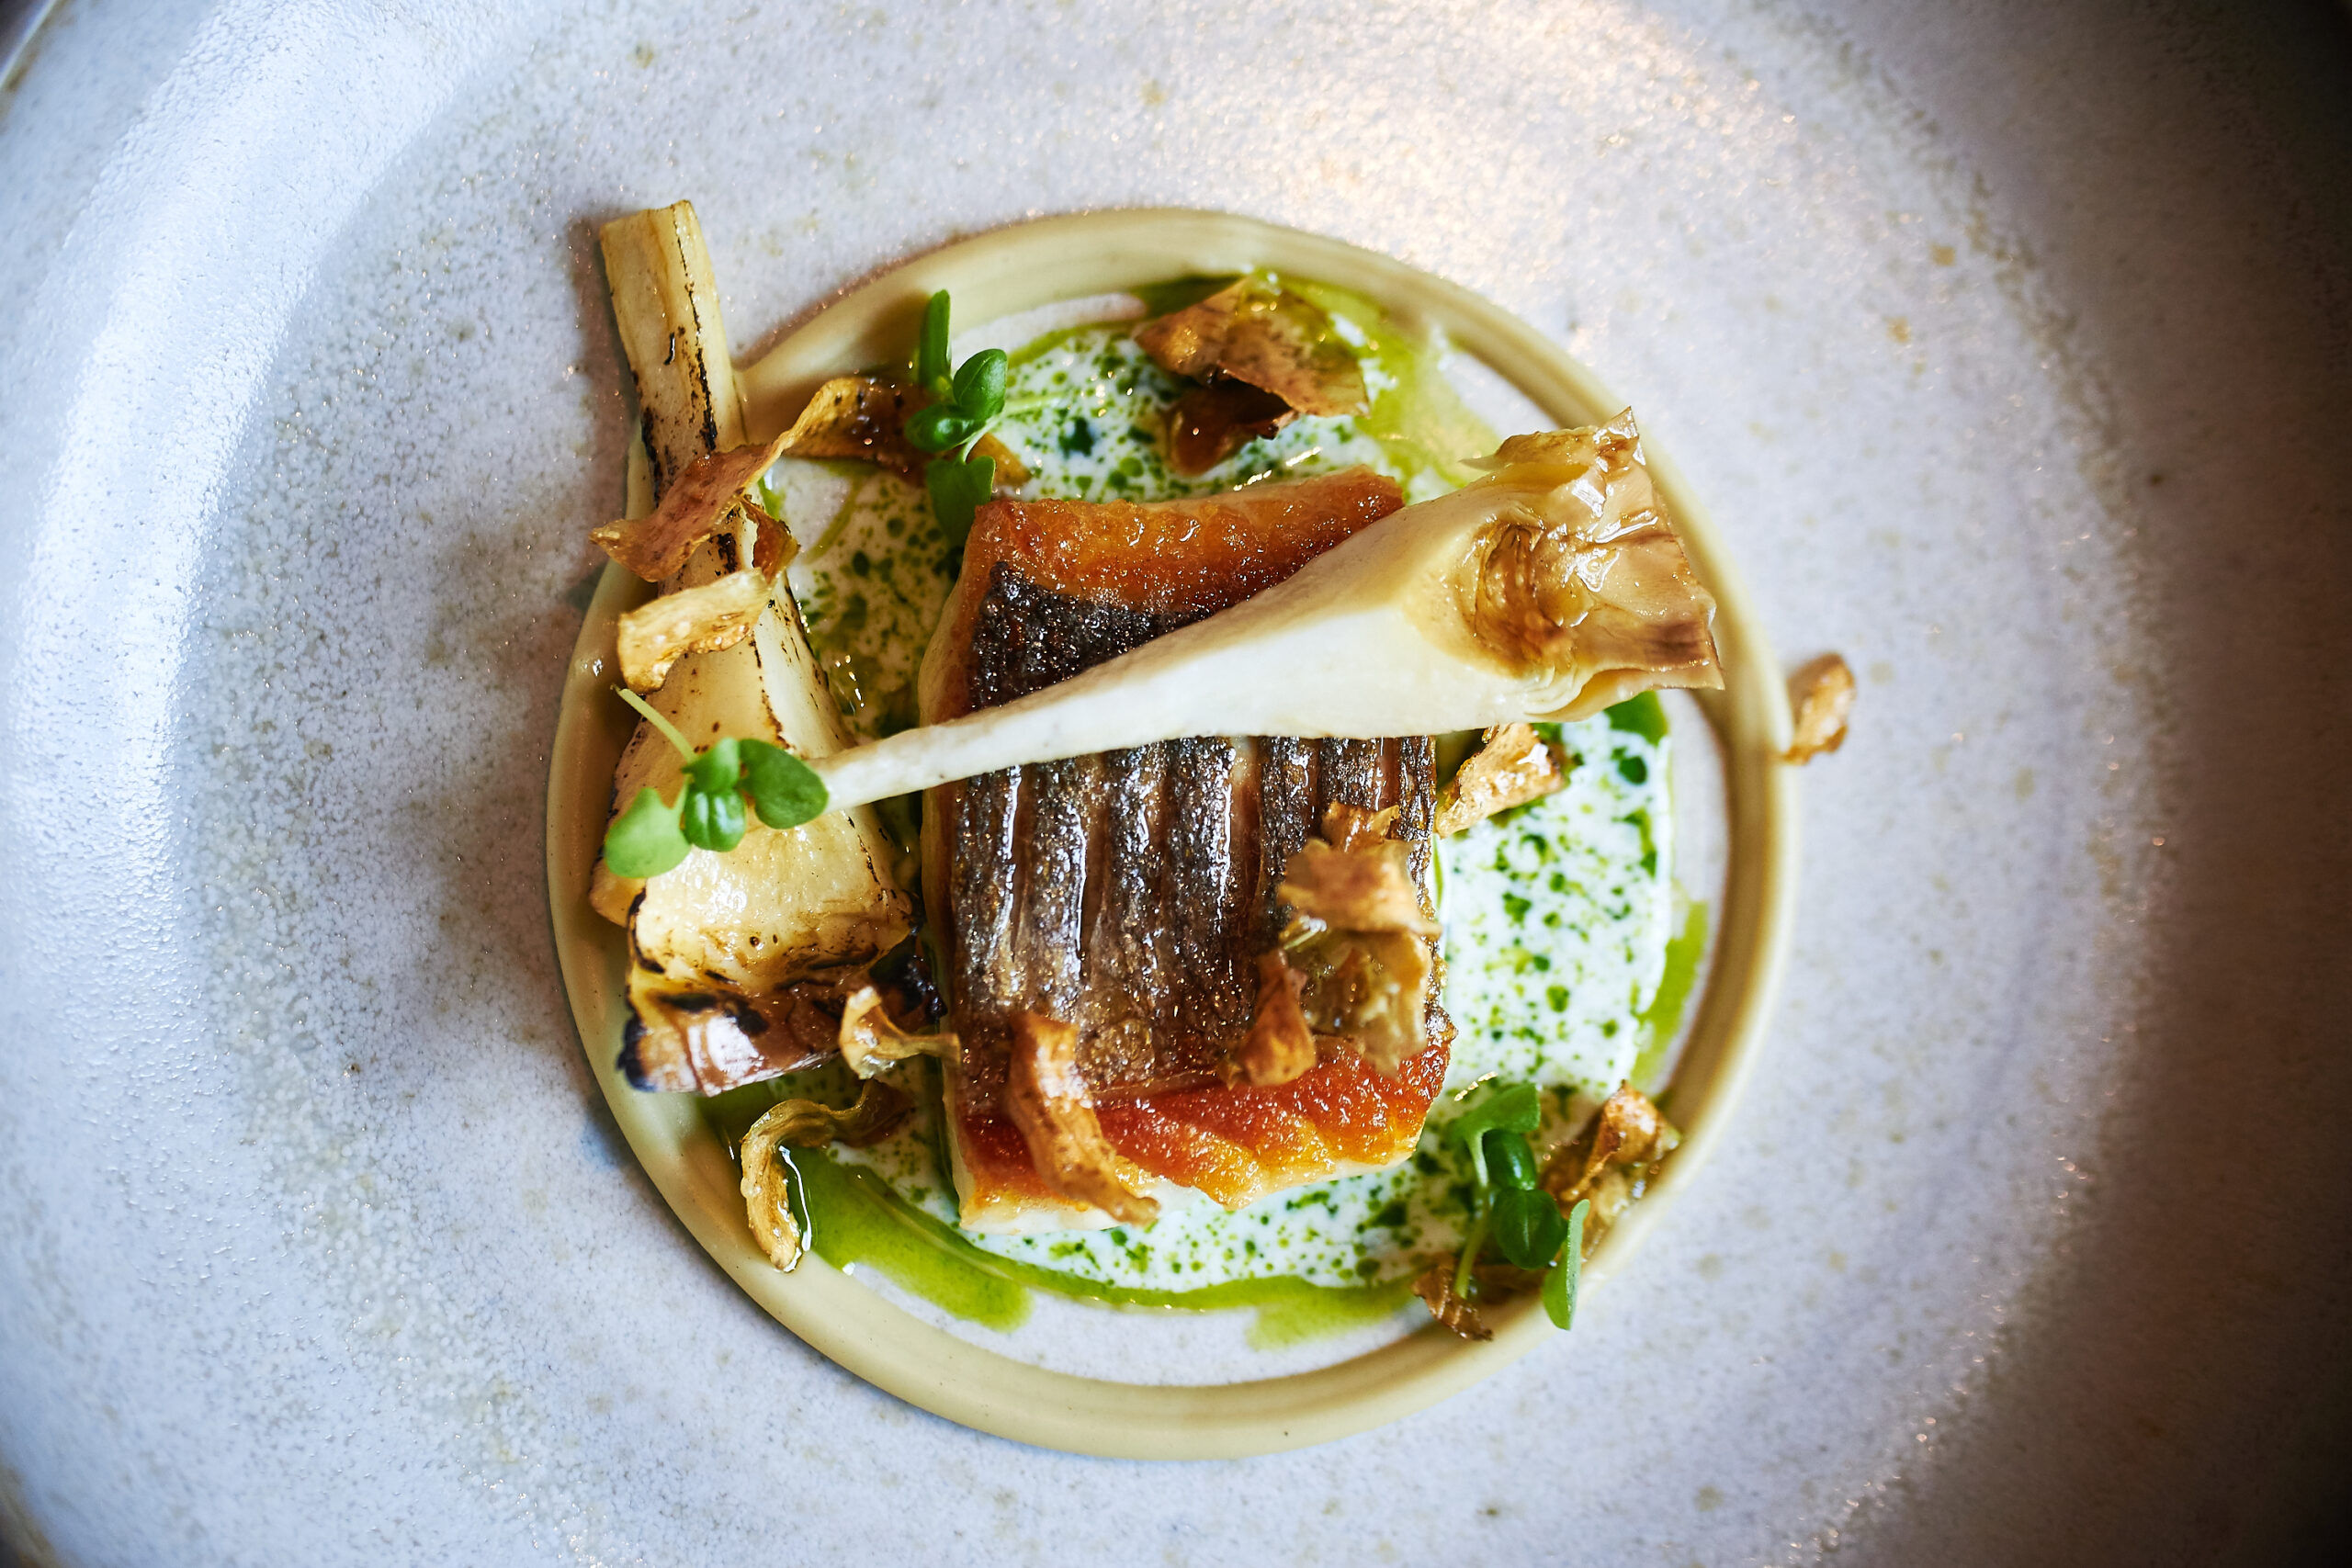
(940, 426)
(644, 840)
(957, 488)
(718, 770)
(1510, 1162)
(711, 820)
(1560, 1284)
(784, 790)
(1513, 1108)
(931, 350)
(979, 385)
(1528, 1226)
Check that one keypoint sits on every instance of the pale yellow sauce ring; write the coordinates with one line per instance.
(996, 275)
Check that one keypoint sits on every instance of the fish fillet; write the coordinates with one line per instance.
(1130, 892)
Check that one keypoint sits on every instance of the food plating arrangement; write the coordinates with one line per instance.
(1148, 797)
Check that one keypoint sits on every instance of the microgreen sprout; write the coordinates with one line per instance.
(966, 405)
(651, 836)
(1512, 1209)
(1560, 1284)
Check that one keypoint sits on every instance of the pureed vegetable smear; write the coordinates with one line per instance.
(1567, 949)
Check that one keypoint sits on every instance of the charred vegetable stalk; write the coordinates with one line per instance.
(1549, 590)
(738, 958)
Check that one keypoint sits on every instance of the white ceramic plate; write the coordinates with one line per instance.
(2005, 343)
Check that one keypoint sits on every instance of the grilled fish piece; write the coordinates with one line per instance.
(1130, 892)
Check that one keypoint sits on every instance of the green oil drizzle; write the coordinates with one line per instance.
(1421, 420)
(1159, 299)
(1642, 713)
(1664, 1015)
(856, 1217)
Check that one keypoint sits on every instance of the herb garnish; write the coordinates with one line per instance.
(1523, 1219)
(965, 406)
(650, 837)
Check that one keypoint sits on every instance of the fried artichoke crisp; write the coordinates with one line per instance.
(1263, 356)
(707, 498)
(1050, 1103)
(1361, 886)
(1359, 937)
(1208, 424)
(1435, 1287)
(1612, 1161)
(1822, 693)
(804, 1124)
(1594, 579)
(716, 615)
(1514, 766)
(1489, 1282)
(1280, 1046)
(864, 419)
(871, 1040)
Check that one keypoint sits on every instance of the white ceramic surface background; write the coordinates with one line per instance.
(315, 1243)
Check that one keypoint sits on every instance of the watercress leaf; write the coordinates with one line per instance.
(1560, 1284)
(979, 384)
(784, 790)
(1510, 1162)
(711, 820)
(1528, 1226)
(931, 349)
(940, 426)
(644, 840)
(719, 767)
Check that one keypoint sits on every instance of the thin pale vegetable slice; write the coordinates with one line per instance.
(1551, 589)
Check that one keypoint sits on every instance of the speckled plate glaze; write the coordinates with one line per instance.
(1169, 1415)
(2006, 343)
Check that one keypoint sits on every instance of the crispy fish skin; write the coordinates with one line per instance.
(1133, 892)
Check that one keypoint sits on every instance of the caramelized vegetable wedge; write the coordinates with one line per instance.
(736, 956)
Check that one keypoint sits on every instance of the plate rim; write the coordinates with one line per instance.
(994, 274)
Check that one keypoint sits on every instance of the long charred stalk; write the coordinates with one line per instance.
(739, 960)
